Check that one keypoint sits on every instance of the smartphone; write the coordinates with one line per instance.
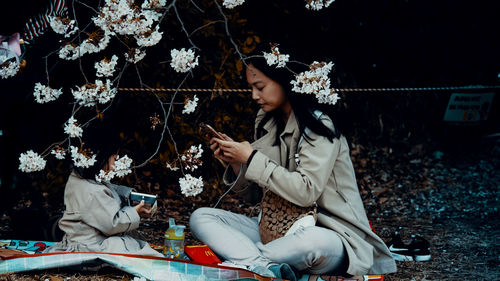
(211, 132)
(137, 197)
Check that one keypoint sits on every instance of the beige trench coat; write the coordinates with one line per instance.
(321, 173)
(97, 218)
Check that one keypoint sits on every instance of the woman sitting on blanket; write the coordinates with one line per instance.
(97, 216)
(301, 161)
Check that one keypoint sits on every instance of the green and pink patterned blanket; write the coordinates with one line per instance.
(150, 268)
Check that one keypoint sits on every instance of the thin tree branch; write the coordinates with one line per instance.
(196, 6)
(84, 4)
(79, 43)
(48, 149)
(203, 26)
(184, 28)
(226, 24)
(139, 75)
(165, 127)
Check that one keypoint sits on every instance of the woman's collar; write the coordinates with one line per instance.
(291, 124)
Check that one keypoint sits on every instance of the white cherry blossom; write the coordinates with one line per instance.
(154, 4)
(120, 168)
(63, 26)
(318, 4)
(190, 105)
(69, 52)
(106, 67)
(182, 60)
(8, 68)
(328, 96)
(72, 129)
(31, 162)
(59, 153)
(123, 17)
(275, 57)
(232, 3)
(44, 94)
(171, 167)
(196, 151)
(191, 186)
(90, 94)
(95, 43)
(104, 176)
(192, 157)
(135, 55)
(80, 159)
(149, 39)
(316, 81)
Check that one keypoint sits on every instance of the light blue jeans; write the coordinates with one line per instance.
(235, 237)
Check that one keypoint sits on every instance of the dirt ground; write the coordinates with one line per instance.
(451, 199)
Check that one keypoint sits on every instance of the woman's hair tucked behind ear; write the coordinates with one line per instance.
(303, 105)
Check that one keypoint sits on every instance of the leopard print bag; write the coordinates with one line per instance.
(278, 215)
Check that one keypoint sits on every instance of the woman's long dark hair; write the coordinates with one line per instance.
(303, 105)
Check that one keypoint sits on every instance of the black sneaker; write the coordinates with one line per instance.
(420, 248)
(417, 250)
(399, 250)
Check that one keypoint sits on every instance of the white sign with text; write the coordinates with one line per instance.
(468, 107)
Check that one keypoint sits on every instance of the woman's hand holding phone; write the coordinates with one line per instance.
(211, 133)
(234, 152)
(219, 153)
(226, 149)
(215, 147)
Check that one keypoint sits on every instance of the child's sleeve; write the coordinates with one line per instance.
(105, 214)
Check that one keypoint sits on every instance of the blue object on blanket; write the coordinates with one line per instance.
(29, 247)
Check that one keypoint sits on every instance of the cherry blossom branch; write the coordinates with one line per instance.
(165, 125)
(196, 6)
(165, 115)
(226, 25)
(184, 28)
(59, 49)
(139, 75)
(68, 139)
(86, 5)
(203, 26)
(47, 70)
(119, 77)
(48, 149)
(79, 42)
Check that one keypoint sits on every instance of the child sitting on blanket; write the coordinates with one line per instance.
(98, 215)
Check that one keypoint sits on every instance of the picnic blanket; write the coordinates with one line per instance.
(150, 268)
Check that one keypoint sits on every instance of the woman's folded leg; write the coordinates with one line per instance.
(231, 236)
(312, 249)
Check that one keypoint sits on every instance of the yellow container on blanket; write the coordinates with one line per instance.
(174, 240)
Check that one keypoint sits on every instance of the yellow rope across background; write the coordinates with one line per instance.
(425, 89)
(183, 90)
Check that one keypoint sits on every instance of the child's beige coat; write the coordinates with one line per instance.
(97, 219)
